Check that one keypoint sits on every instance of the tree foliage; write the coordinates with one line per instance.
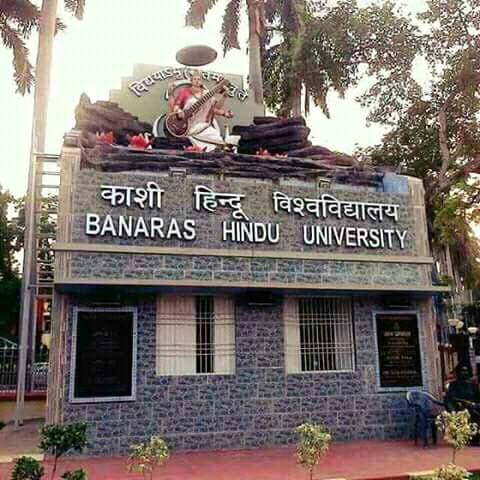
(27, 468)
(58, 440)
(451, 472)
(314, 48)
(18, 18)
(197, 14)
(196, 17)
(7, 235)
(313, 444)
(310, 48)
(147, 456)
(457, 428)
(434, 125)
(12, 230)
(11, 241)
(75, 7)
(10, 302)
(79, 474)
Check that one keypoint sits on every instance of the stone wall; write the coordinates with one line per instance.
(258, 270)
(260, 404)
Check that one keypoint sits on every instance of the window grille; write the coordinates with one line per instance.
(318, 334)
(205, 329)
(195, 335)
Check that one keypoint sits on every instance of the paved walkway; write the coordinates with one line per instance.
(22, 442)
(355, 460)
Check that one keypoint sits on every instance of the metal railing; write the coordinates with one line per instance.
(8, 365)
(36, 372)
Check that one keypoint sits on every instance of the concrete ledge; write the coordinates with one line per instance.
(9, 396)
(345, 287)
(13, 457)
(34, 409)
(425, 473)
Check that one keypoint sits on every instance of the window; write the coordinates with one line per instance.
(103, 359)
(205, 334)
(195, 335)
(318, 334)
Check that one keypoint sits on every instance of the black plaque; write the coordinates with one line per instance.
(104, 354)
(398, 350)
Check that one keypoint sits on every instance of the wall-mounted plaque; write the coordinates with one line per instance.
(104, 355)
(399, 360)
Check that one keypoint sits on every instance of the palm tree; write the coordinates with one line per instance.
(311, 49)
(195, 17)
(17, 20)
(287, 19)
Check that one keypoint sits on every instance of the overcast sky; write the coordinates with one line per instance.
(92, 55)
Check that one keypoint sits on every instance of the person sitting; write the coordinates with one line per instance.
(463, 394)
(462, 388)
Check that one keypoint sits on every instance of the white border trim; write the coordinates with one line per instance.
(377, 352)
(73, 356)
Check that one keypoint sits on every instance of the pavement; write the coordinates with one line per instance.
(353, 461)
(24, 441)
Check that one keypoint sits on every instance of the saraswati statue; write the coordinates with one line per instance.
(193, 110)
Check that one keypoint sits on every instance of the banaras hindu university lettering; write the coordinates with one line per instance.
(241, 229)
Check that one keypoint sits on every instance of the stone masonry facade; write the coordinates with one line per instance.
(257, 204)
(258, 405)
(208, 268)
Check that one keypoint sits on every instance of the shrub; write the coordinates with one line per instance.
(75, 475)
(27, 468)
(457, 429)
(147, 456)
(60, 439)
(450, 472)
(314, 442)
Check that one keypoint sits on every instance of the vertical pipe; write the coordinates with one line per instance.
(39, 125)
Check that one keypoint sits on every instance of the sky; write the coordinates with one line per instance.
(92, 55)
